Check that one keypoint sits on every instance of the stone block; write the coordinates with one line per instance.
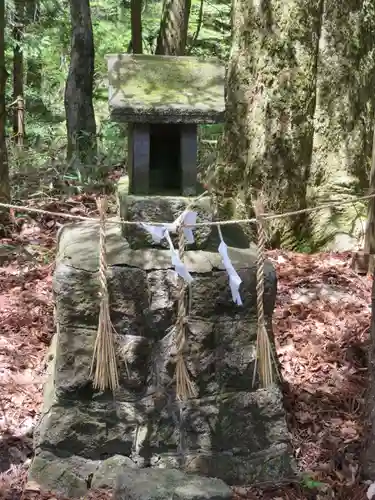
(220, 355)
(67, 476)
(108, 471)
(94, 430)
(128, 292)
(236, 423)
(161, 484)
(162, 209)
(72, 476)
(269, 465)
(77, 297)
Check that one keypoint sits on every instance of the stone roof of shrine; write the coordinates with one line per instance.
(156, 89)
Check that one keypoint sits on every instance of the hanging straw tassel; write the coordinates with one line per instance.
(184, 386)
(264, 353)
(105, 375)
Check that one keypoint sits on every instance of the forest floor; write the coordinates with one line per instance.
(321, 325)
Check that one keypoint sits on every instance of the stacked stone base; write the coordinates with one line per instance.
(232, 431)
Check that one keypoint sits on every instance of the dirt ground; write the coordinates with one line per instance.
(321, 325)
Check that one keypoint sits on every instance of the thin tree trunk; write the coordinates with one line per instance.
(18, 30)
(370, 229)
(34, 65)
(368, 455)
(32, 11)
(80, 118)
(4, 168)
(198, 30)
(136, 26)
(173, 27)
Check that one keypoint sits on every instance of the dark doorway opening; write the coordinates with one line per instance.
(165, 159)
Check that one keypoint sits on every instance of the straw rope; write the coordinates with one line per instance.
(266, 216)
(104, 372)
(184, 386)
(264, 355)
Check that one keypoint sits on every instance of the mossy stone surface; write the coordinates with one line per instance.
(163, 209)
(149, 88)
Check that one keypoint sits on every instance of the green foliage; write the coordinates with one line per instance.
(46, 49)
(310, 483)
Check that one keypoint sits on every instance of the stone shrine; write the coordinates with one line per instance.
(163, 99)
(141, 440)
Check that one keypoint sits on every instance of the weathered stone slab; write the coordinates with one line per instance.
(75, 251)
(236, 423)
(108, 471)
(233, 430)
(72, 476)
(253, 468)
(62, 475)
(219, 361)
(162, 209)
(94, 430)
(159, 89)
(161, 484)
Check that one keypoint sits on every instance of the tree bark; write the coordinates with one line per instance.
(136, 26)
(80, 117)
(18, 29)
(198, 30)
(270, 105)
(368, 455)
(34, 65)
(370, 228)
(32, 11)
(4, 167)
(173, 27)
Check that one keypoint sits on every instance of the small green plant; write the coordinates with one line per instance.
(310, 483)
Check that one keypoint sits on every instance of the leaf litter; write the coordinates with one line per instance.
(321, 325)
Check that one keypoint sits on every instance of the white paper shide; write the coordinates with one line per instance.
(189, 218)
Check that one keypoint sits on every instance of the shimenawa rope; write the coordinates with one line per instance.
(198, 224)
(104, 371)
(184, 386)
(264, 354)
(104, 358)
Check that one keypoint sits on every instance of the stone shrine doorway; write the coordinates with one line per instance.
(165, 159)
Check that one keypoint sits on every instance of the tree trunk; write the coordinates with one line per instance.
(4, 168)
(368, 455)
(270, 104)
(18, 29)
(80, 118)
(369, 247)
(32, 11)
(136, 26)
(173, 27)
(34, 65)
